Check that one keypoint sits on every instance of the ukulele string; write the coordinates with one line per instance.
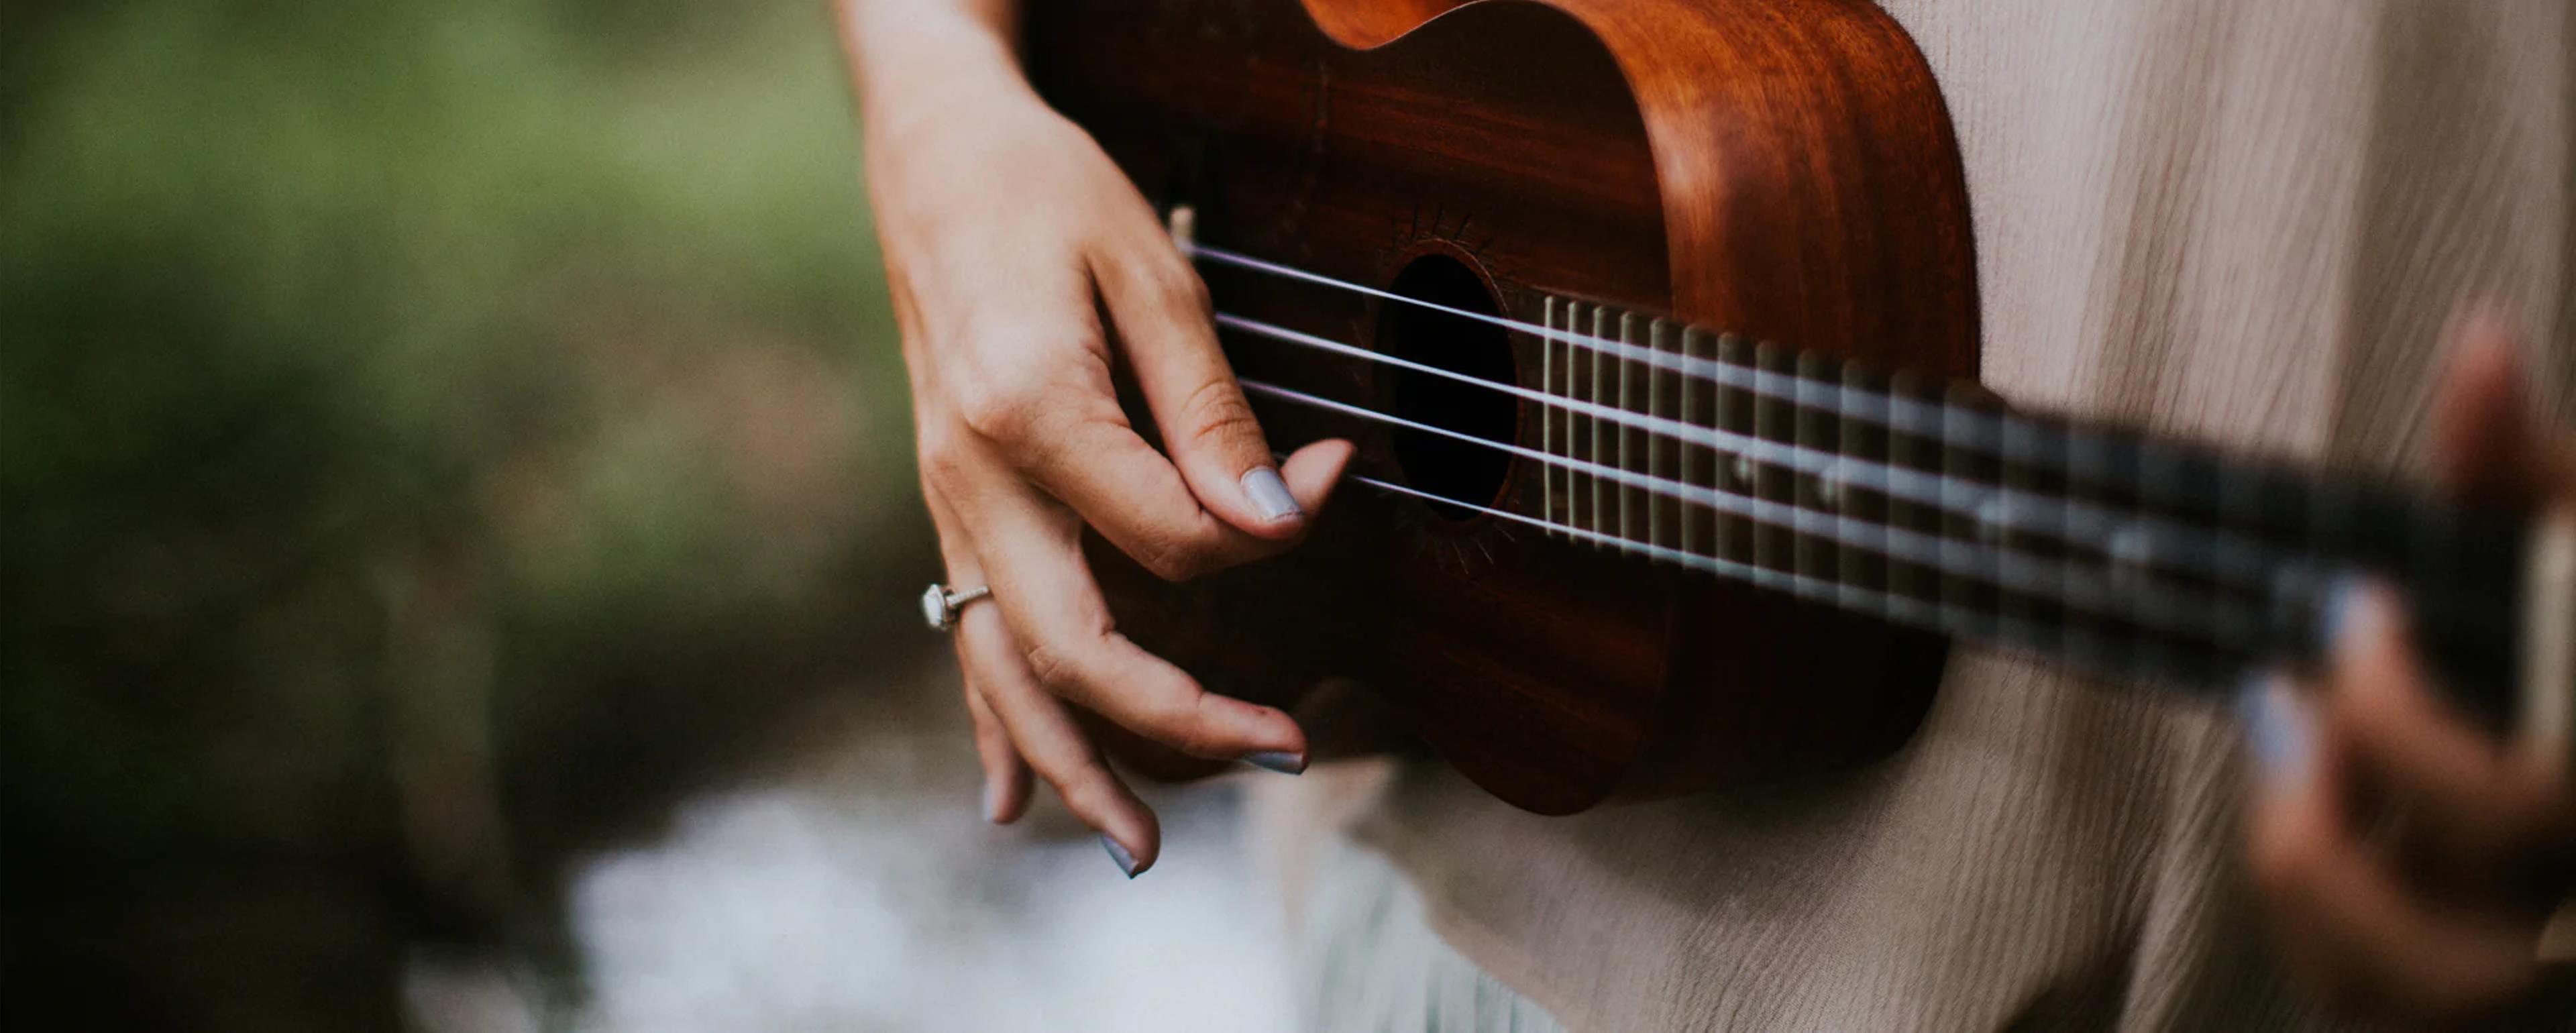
(2212, 552)
(1893, 606)
(2215, 617)
(2218, 556)
(1984, 431)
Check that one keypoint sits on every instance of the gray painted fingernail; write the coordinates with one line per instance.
(2356, 615)
(1281, 761)
(1126, 861)
(2278, 732)
(993, 803)
(2334, 619)
(1269, 494)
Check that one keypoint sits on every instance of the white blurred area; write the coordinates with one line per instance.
(859, 890)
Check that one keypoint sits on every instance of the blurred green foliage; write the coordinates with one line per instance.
(498, 390)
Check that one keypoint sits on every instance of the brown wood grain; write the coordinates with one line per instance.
(1782, 168)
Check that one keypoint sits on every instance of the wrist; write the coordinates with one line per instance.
(912, 65)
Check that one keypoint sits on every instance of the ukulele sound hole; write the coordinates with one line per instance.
(1435, 463)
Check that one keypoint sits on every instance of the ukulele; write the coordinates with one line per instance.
(1602, 534)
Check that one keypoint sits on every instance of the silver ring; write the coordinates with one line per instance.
(939, 606)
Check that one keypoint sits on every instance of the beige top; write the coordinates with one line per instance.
(2242, 222)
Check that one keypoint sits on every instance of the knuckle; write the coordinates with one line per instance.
(989, 740)
(987, 730)
(1182, 719)
(942, 457)
(1176, 287)
(998, 408)
(1176, 559)
(995, 750)
(1166, 563)
(1087, 791)
(1001, 393)
(1054, 667)
(1218, 412)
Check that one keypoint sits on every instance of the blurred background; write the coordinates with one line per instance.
(458, 551)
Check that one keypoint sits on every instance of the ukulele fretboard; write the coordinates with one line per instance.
(1928, 503)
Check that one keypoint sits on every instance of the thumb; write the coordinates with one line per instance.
(1164, 323)
(2490, 445)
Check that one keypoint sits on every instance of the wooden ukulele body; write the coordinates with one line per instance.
(1783, 169)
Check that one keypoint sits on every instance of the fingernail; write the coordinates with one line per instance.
(2278, 732)
(1269, 494)
(2355, 617)
(992, 803)
(1126, 861)
(1281, 761)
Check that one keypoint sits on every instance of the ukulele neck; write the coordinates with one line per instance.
(1930, 504)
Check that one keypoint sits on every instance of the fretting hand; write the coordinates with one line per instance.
(2408, 860)
(1008, 237)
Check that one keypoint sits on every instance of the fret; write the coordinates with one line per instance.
(2182, 485)
(1816, 427)
(2033, 461)
(1699, 462)
(1920, 453)
(2328, 533)
(2179, 482)
(1966, 493)
(2188, 486)
(2269, 504)
(2254, 504)
(1734, 535)
(1632, 439)
(1774, 419)
(2121, 524)
(1604, 493)
(2104, 473)
(1578, 425)
(1863, 513)
(1550, 312)
(1663, 394)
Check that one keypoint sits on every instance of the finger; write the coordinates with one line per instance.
(1028, 372)
(1056, 613)
(2471, 807)
(1165, 324)
(1063, 430)
(2345, 918)
(2490, 445)
(1046, 734)
(1315, 470)
(1006, 777)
